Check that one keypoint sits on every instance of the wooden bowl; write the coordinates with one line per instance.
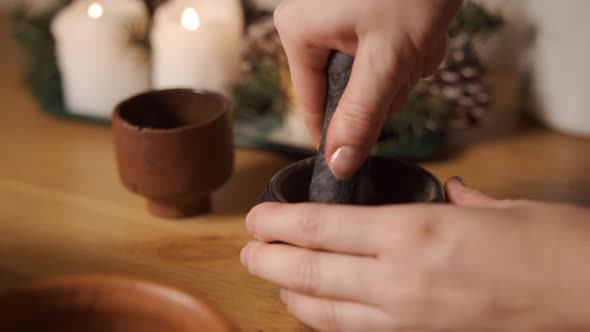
(104, 303)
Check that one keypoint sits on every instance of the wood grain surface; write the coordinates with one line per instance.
(63, 210)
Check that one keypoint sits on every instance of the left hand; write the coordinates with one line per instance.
(478, 265)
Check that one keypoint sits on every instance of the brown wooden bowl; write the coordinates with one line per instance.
(174, 147)
(104, 303)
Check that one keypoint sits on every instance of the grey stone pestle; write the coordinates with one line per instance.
(324, 187)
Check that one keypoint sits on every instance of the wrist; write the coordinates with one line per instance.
(562, 290)
(545, 287)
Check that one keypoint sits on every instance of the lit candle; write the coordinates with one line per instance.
(99, 57)
(196, 44)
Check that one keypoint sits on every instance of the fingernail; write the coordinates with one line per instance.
(343, 162)
(462, 181)
(284, 296)
(244, 255)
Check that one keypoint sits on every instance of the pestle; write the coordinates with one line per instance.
(379, 181)
(324, 187)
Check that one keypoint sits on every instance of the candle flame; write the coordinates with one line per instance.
(95, 10)
(190, 19)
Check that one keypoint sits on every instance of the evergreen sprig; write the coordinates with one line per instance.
(475, 21)
(40, 73)
(260, 94)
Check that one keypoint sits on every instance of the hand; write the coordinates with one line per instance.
(478, 265)
(396, 42)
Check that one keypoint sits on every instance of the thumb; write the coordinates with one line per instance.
(376, 78)
(461, 194)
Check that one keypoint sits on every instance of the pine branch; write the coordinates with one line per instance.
(475, 21)
(260, 94)
(40, 72)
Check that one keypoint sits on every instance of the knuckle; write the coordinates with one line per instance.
(360, 119)
(416, 224)
(305, 275)
(416, 228)
(427, 229)
(422, 224)
(310, 228)
(359, 111)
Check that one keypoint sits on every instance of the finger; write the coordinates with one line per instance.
(434, 59)
(400, 100)
(402, 96)
(330, 315)
(344, 229)
(460, 194)
(308, 46)
(307, 65)
(343, 277)
(377, 75)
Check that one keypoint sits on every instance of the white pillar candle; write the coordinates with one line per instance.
(196, 44)
(100, 64)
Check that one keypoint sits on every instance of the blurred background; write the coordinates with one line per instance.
(510, 65)
(71, 50)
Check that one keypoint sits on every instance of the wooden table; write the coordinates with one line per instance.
(62, 209)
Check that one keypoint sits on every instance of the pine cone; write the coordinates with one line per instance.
(462, 84)
(262, 43)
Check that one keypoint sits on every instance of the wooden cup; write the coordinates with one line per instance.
(174, 147)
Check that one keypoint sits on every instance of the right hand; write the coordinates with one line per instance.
(396, 42)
